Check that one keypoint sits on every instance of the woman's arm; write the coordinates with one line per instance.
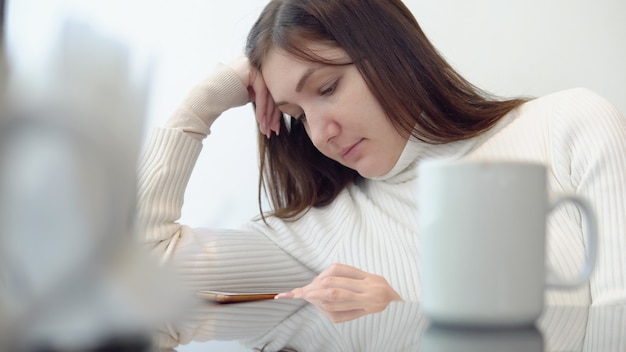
(171, 154)
(344, 293)
(589, 140)
(203, 259)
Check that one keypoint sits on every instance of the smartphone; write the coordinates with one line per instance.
(232, 297)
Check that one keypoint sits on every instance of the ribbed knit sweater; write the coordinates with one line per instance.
(373, 225)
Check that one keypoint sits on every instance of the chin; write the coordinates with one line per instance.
(371, 172)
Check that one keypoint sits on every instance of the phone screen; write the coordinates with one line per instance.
(232, 297)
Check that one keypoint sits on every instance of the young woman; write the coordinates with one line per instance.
(350, 96)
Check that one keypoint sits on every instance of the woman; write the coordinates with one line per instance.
(347, 110)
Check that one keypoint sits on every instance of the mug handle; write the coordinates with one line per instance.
(591, 248)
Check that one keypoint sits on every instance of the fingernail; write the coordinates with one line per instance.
(284, 295)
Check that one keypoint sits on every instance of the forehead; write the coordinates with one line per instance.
(281, 69)
(309, 55)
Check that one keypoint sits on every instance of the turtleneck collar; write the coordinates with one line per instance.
(415, 151)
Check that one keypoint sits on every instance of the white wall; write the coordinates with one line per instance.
(529, 47)
(532, 47)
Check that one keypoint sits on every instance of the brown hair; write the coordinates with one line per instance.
(421, 93)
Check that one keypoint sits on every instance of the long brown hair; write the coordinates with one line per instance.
(421, 93)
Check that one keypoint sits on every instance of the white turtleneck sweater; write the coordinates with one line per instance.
(372, 225)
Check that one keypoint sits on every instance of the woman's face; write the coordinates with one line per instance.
(341, 116)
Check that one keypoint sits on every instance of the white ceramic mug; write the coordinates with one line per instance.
(483, 236)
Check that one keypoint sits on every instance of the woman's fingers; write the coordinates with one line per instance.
(340, 304)
(260, 99)
(277, 115)
(343, 292)
(272, 114)
(267, 114)
(335, 299)
(269, 110)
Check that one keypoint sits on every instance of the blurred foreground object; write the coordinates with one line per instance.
(71, 275)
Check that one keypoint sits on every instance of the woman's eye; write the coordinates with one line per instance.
(330, 90)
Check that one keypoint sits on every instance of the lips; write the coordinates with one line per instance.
(348, 151)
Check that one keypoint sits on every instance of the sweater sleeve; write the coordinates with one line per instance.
(203, 259)
(207, 100)
(170, 155)
(589, 140)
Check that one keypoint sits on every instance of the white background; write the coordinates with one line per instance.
(529, 47)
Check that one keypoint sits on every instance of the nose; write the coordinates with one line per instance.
(322, 127)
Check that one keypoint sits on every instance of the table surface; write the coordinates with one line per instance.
(284, 324)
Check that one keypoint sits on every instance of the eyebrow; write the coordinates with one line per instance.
(301, 82)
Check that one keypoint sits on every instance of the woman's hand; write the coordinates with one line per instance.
(267, 114)
(343, 293)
